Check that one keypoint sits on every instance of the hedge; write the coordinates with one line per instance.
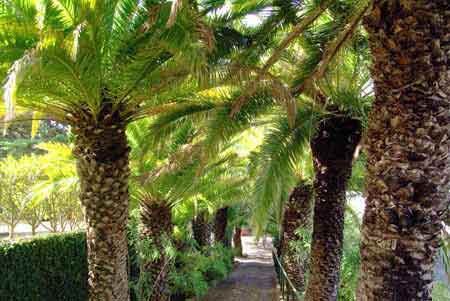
(54, 268)
(48, 268)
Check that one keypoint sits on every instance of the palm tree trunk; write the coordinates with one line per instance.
(202, 229)
(156, 218)
(297, 215)
(407, 148)
(220, 226)
(333, 147)
(102, 153)
(237, 241)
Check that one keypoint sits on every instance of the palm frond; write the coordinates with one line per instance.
(15, 76)
(309, 18)
(334, 47)
(278, 161)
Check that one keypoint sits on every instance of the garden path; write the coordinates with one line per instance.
(253, 279)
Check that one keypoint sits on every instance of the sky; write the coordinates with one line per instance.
(250, 20)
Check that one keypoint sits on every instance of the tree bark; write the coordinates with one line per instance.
(102, 163)
(333, 147)
(407, 148)
(297, 215)
(33, 229)
(11, 234)
(237, 241)
(220, 226)
(156, 218)
(202, 229)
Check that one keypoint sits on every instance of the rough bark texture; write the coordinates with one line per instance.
(202, 229)
(297, 215)
(237, 241)
(156, 219)
(220, 226)
(407, 147)
(333, 147)
(102, 153)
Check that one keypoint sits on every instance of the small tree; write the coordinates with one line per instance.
(34, 214)
(16, 178)
(52, 211)
(58, 190)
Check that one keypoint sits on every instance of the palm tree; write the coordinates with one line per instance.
(220, 226)
(407, 149)
(202, 229)
(154, 186)
(98, 65)
(333, 147)
(297, 216)
(166, 176)
(223, 184)
(157, 227)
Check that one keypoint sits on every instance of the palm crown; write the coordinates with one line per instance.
(71, 58)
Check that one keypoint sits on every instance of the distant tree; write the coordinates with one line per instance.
(57, 191)
(34, 215)
(17, 176)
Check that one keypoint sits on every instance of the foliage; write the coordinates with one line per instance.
(52, 268)
(18, 140)
(76, 56)
(16, 178)
(57, 191)
(351, 260)
(196, 270)
(192, 271)
(41, 187)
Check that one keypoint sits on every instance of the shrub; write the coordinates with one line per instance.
(219, 263)
(48, 268)
(195, 271)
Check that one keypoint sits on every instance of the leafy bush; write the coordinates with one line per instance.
(49, 268)
(193, 270)
(196, 270)
(55, 268)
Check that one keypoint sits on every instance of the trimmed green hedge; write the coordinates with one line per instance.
(48, 268)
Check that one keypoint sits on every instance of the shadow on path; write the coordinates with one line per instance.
(253, 279)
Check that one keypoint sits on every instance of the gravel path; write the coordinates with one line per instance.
(253, 279)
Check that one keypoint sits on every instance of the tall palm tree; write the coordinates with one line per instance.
(407, 149)
(97, 65)
(333, 147)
